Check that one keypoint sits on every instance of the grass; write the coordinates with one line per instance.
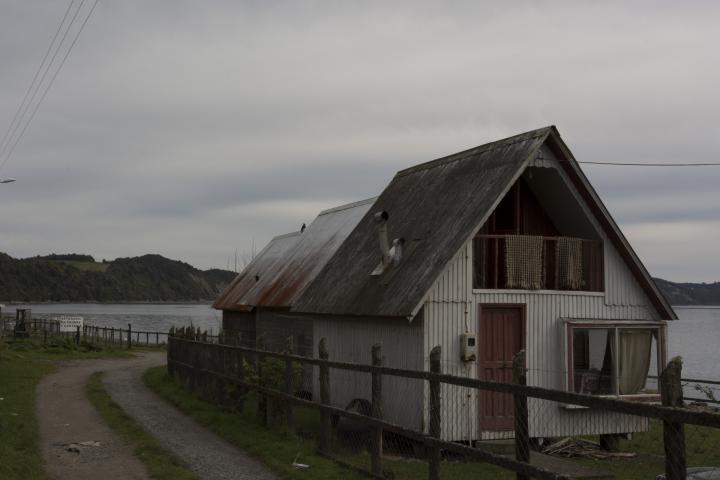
(277, 448)
(22, 364)
(161, 464)
(702, 449)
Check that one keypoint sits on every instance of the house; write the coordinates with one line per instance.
(496, 249)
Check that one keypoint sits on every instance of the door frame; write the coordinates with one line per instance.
(523, 335)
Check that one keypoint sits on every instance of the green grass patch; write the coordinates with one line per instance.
(160, 463)
(22, 364)
(702, 449)
(277, 448)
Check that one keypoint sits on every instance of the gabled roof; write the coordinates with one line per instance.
(290, 262)
(436, 207)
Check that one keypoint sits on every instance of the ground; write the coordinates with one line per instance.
(65, 417)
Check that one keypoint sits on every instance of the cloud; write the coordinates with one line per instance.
(193, 130)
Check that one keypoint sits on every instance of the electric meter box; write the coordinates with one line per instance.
(468, 347)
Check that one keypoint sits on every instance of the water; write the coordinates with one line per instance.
(146, 317)
(695, 337)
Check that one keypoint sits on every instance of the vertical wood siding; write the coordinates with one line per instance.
(350, 339)
(451, 308)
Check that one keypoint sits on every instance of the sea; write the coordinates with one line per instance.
(695, 336)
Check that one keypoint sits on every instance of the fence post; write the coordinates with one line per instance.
(262, 397)
(324, 437)
(129, 336)
(671, 393)
(377, 443)
(289, 383)
(434, 411)
(77, 335)
(522, 435)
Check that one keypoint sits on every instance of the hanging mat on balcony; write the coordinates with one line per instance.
(524, 261)
(569, 263)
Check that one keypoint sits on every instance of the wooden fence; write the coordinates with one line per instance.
(211, 367)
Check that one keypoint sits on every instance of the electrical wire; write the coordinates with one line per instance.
(52, 80)
(622, 164)
(32, 83)
(37, 86)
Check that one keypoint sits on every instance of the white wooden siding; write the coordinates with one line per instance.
(350, 339)
(451, 309)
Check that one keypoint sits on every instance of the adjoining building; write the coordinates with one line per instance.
(500, 248)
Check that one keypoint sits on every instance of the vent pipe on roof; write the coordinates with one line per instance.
(381, 219)
(389, 254)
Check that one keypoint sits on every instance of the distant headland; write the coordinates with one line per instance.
(79, 278)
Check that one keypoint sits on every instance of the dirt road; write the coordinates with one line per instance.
(66, 417)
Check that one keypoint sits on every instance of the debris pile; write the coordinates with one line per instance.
(578, 447)
(702, 407)
(76, 447)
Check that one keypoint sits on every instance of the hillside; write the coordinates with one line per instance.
(78, 278)
(154, 278)
(690, 293)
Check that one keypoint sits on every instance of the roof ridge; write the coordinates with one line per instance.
(455, 157)
(347, 206)
(285, 235)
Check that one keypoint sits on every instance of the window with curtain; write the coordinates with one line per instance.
(611, 359)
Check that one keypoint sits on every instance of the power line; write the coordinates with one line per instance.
(42, 79)
(624, 164)
(21, 107)
(52, 80)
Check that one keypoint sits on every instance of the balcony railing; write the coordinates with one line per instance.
(537, 263)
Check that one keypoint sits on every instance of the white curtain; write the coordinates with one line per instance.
(634, 359)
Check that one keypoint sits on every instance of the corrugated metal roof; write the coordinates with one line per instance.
(435, 207)
(257, 271)
(293, 266)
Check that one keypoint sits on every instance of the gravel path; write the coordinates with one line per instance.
(210, 457)
(66, 417)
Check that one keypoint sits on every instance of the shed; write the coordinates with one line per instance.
(506, 244)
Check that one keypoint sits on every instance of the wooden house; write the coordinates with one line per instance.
(486, 252)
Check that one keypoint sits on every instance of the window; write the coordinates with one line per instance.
(613, 358)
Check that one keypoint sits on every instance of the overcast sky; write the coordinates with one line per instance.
(192, 129)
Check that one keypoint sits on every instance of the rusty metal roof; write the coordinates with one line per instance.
(259, 269)
(289, 263)
(436, 207)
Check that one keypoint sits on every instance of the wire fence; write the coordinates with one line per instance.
(399, 423)
(111, 336)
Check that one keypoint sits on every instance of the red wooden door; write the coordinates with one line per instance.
(501, 336)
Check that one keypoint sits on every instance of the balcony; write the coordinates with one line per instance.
(530, 262)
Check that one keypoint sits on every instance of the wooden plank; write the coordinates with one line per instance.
(289, 383)
(376, 449)
(325, 425)
(521, 420)
(671, 393)
(435, 413)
